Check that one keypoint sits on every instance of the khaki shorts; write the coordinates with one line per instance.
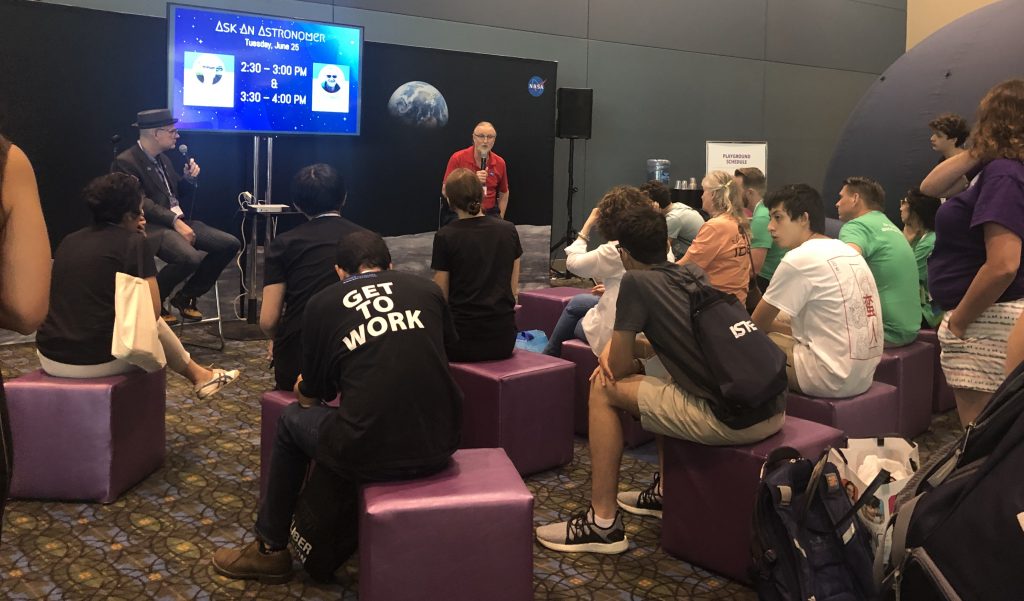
(667, 409)
(786, 343)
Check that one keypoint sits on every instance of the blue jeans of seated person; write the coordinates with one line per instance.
(298, 432)
(570, 323)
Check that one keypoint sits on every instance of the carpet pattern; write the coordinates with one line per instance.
(156, 541)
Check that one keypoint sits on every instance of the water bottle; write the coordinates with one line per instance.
(658, 169)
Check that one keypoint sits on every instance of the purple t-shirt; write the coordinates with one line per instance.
(996, 197)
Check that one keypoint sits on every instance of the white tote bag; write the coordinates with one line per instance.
(135, 337)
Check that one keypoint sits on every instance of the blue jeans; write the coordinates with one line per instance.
(570, 324)
(298, 431)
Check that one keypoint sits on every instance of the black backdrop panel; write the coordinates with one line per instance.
(65, 93)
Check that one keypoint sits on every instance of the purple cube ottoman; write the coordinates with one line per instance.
(709, 494)
(869, 414)
(942, 395)
(464, 534)
(85, 440)
(540, 308)
(909, 369)
(522, 404)
(579, 352)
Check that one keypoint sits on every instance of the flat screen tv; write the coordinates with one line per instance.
(245, 73)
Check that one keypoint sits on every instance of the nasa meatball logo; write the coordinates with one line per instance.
(536, 86)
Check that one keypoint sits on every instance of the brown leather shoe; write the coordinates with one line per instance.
(168, 317)
(187, 307)
(247, 563)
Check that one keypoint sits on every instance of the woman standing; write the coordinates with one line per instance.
(476, 265)
(974, 272)
(917, 211)
(24, 271)
(722, 246)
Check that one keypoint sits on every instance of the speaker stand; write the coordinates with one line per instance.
(570, 234)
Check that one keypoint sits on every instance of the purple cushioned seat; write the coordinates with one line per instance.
(909, 369)
(540, 308)
(942, 395)
(872, 413)
(465, 534)
(522, 404)
(579, 352)
(87, 440)
(709, 494)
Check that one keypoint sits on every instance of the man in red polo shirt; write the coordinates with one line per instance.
(489, 168)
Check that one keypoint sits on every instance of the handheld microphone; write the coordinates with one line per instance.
(183, 149)
(483, 163)
(114, 141)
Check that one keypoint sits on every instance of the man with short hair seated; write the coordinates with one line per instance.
(377, 338)
(869, 232)
(300, 263)
(682, 221)
(834, 339)
(654, 298)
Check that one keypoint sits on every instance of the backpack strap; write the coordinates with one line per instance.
(812, 487)
(882, 478)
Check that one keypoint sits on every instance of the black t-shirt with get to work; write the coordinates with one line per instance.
(378, 339)
(657, 303)
(478, 253)
(303, 260)
(80, 323)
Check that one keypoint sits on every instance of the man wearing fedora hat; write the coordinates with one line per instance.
(191, 249)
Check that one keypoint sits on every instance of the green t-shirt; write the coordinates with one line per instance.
(760, 238)
(923, 247)
(892, 262)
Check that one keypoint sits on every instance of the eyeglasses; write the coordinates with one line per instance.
(484, 136)
(173, 132)
(331, 76)
(904, 202)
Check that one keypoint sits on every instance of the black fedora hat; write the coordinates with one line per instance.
(154, 118)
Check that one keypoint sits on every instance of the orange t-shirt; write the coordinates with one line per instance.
(724, 254)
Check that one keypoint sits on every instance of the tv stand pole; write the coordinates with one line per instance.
(570, 234)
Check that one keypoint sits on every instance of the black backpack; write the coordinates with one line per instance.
(807, 543)
(958, 532)
(746, 367)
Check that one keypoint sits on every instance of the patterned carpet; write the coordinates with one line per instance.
(156, 541)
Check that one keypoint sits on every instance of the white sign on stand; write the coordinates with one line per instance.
(730, 156)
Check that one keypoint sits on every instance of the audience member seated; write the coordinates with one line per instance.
(300, 263)
(868, 231)
(476, 264)
(764, 252)
(24, 273)
(917, 211)
(377, 337)
(949, 133)
(974, 273)
(683, 222)
(654, 298)
(834, 339)
(590, 317)
(723, 243)
(195, 252)
(74, 340)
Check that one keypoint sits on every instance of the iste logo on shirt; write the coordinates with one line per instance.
(536, 86)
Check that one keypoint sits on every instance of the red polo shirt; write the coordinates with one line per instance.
(496, 177)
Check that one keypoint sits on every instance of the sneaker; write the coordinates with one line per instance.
(220, 379)
(248, 563)
(644, 502)
(581, 535)
(167, 316)
(187, 307)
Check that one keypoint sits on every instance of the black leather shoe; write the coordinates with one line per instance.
(167, 316)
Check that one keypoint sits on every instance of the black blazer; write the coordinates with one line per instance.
(156, 203)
